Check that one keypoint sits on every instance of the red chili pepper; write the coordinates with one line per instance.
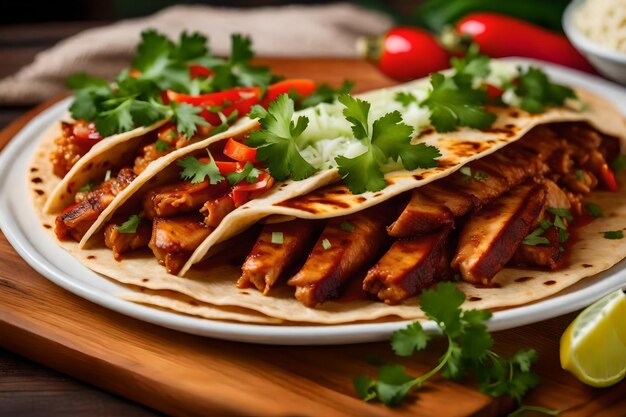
(406, 53)
(85, 134)
(228, 167)
(302, 87)
(244, 192)
(608, 178)
(240, 152)
(215, 99)
(494, 92)
(499, 35)
(196, 71)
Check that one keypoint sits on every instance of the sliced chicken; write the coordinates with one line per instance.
(174, 239)
(421, 215)
(543, 256)
(121, 243)
(216, 209)
(491, 236)
(408, 267)
(183, 197)
(338, 254)
(76, 219)
(268, 261)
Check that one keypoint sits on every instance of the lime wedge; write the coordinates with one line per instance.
(593, 347)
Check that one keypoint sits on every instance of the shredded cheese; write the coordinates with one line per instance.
(604, 22)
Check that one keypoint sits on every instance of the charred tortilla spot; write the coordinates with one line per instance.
(475, 299)
(416, 176)
(193, 303)
(510, 126)
(145, 279)
(514, 114)
(47, 226)
(587, 265)
(550, 282)
(467, 148)
(523, 279)
(33, 169)
(39, 192)
(378, 194)
(360, 199)
(445, 163)
(499, 130)
(91, 257)
(425, 132)
(36, 180)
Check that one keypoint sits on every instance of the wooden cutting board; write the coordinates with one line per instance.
(185, 375)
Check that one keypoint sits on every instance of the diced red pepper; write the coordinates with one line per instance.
(196, 71)
(228, 167)
(85, 134)
(608, 178)
(494, 92)
(244, 192)
(302, 87)
(240, 152)
(242, 107)
(215, 99)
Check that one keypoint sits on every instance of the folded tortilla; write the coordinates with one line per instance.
(212, 281)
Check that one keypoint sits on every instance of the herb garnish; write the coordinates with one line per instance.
(276, 142)
(452, 105)
(196, 171)
(614, 234)
(347, 227)
(405, 98)
(471, 65)
(326, 94)
(594, 210)
(535, 237)
(130, 225)
(161, 145)
(87, 187)
(538, 92)
(468, 175)
(326, 244)
(277, 238)
(389, 138)
(249, 173)
(469, 344)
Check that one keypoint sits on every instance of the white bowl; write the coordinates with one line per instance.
(607, 61)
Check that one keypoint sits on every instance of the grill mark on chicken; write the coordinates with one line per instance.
(183, 197)
(408, 267)
(491, 236)
(74, 222)
(326, 271)
(121, 243)
(421, 215)
(174, 239)
(267, 261)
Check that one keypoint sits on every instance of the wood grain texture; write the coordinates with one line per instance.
(185, 375)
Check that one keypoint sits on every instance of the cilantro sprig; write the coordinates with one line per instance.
(276, 141)
(388, 138)
(196, 171)
(326, 94)
(469, 344)
(537, 91)
(454, 104)
(134, 99)
(130, 225)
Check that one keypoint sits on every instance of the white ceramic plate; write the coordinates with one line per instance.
(19, 224)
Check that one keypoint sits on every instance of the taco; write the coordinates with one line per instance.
(118, 130)
(376, 198)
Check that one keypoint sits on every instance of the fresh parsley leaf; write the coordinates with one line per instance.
(405, 98)
(468, 175)
(469, 344)
(187, 118)
(130, 225)
(452, 105)
(614, 235)
(563, 212)
(276, 141)
(594, 210)
(249, 173)
(87, 187)
(534, 238)
(389, 138)
(538, 92)
(196, 171)
(406, 341)
(472, 65)
(161, 145)
(326, 94)
(619, 163)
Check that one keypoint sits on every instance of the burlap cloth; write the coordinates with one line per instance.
(327, 30)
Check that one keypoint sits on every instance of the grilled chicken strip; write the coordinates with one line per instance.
(421, 215)
(408, 267)
(216, 209)
(268, 261)
(174, 239)
(338, 254)
(491, 236)
(182, 197)
(74, 222)
(121, 243)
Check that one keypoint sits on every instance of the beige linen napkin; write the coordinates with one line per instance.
(298, 30)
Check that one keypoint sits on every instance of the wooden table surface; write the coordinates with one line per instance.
(28, 389)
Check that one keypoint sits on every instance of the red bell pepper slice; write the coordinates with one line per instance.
(215, 99)
(494, 92)
(244, 192)
(240, 152)
(228, 167)
(608, 178)
(196, 71)
(85, 134)
(301, 86)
